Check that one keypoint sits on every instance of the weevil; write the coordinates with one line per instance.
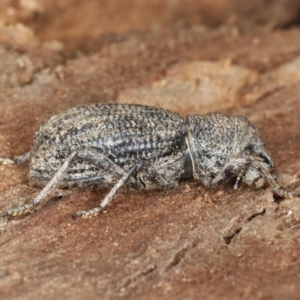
(110, 145)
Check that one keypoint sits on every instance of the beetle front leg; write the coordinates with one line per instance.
(234, 166)
(273, 184)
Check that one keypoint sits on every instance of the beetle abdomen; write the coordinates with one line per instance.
(125, 133)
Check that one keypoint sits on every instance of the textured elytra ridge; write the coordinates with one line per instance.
(126, 134)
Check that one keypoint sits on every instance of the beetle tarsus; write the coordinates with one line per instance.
(20, 212)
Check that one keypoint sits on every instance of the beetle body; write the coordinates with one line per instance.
(104, 145)
(123, 134)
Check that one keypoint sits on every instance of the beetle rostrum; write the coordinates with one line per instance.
(110, 145)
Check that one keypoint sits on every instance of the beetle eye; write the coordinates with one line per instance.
(249, 148)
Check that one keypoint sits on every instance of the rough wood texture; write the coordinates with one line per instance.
(190, 242)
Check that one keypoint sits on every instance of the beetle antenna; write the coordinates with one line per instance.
(274, 185)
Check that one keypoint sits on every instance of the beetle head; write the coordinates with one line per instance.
(214, 139)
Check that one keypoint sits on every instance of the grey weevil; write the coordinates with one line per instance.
(110, 145)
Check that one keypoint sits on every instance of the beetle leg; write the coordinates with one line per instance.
(89, 154)
(96, 157)
(238, 179)
(158, 174)
(99, 159)
(6, 161)
(150, 176)
(273, 184)
(41, 198)
(19, 160)
(109, 197)
(235, 165)
(164, 172)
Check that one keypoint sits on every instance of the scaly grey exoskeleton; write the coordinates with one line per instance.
(109, 145)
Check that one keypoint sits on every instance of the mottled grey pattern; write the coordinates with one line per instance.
(215, 139)
(124, 134)
(115, 144)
